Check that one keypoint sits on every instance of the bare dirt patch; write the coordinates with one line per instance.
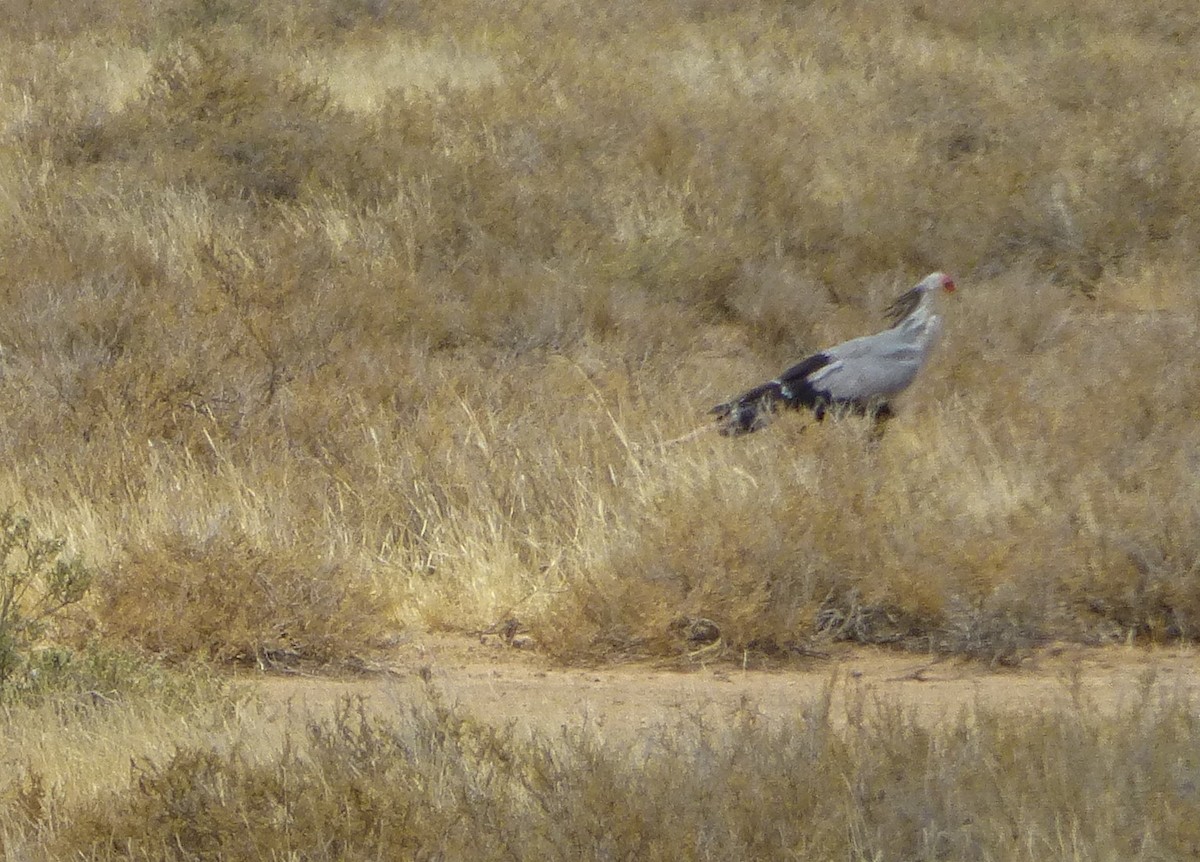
(503, 685)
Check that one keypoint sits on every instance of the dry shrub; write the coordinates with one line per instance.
(213, 117)
(227, 600)
(438, 783)
(752, 539)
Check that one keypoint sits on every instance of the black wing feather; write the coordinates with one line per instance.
(752, 409)
(795, 379)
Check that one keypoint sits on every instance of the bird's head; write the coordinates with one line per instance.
(937, 281)
(920, 295)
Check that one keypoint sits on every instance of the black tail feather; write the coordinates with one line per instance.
(750, 410)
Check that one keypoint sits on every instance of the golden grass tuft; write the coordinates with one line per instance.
(227, 600)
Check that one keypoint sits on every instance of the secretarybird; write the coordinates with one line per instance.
(862, 374)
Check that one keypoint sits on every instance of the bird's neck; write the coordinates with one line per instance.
(922, 321)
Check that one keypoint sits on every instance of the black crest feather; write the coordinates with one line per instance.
(904, 305)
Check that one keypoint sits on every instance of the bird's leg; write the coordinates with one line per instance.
(880, 416)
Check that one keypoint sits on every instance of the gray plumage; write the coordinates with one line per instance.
(862, 374)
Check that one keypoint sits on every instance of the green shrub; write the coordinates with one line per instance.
(37, 581)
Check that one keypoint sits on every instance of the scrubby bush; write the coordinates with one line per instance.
(231, 602)
(38, 580)
(437, 783)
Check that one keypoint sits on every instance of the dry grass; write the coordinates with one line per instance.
(364, 316)
(67, 736)
(325, 320)
(429, 781)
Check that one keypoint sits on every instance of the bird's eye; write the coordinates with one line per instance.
(948, 284)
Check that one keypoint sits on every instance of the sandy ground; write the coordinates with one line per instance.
(506, 685)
